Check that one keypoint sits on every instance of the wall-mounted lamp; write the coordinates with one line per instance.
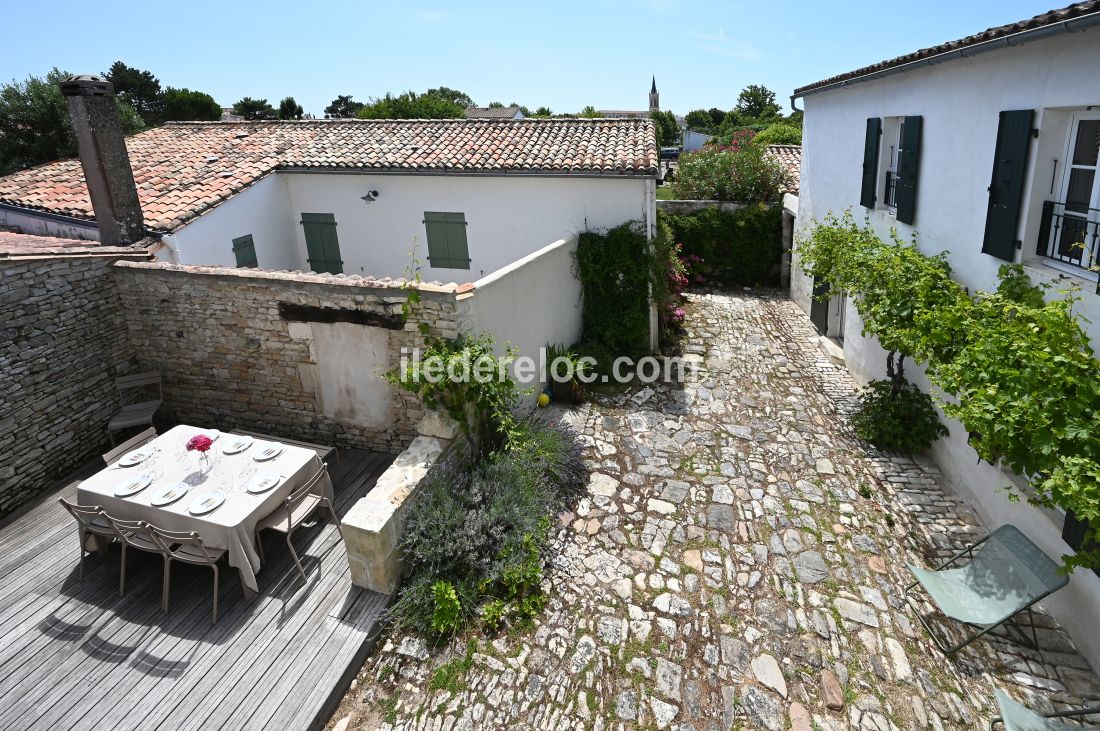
(371, 196)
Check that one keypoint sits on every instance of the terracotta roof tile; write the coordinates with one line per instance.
(790, 156)
(1051, 17)
(182, 169)
(14, 243)
(491, 112)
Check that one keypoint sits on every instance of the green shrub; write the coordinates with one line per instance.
(616, 270)
(739, 247)
(477, 536)
(897, 417)
(743, 175)
(779, 134)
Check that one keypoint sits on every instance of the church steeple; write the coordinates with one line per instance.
(654, 97)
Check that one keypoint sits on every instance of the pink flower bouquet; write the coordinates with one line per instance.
(199, 443)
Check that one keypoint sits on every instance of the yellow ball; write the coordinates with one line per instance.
(544, 399)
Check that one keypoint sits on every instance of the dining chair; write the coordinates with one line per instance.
(132, 443)
(90, 520)
(138, 413)
(294, 511)
(135, 534)
(186, 547)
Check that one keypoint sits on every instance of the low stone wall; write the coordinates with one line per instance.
(298, 355)
(63, 340)
(683, 208)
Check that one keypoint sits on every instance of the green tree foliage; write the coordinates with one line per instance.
(138, 88)
(1014, 366)
(542, 112)
(699, 120)
(254, 109)
(411, 105)
(290, 109)
(589, 112)
(717, 117)
(496, 105)
(184, 105)
(34, 122)
(757, 102)
(736, 247)
(343, 107)
(779, 134)
(740, 172)
(668, 131)
(454, 96)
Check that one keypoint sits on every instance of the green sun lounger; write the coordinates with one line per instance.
(1015, 717)
(1007, 574)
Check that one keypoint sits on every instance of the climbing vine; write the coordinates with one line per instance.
(1014, 366)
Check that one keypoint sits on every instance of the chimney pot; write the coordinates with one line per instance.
(104, 159)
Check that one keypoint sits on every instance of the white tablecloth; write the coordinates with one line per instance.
(232, 526)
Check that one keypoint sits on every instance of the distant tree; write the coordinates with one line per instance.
(779, 133)
(411, 105)
(668, 132)
(343, 107)
(541, 112)
(496, 105)
(699, 120)
(184, 105)
(524, 110)
(757, 102)
(589, 112)
(34, 122)
(717, 116)
(290, 109)
(140, 89)
(454, 96)
(250, 108)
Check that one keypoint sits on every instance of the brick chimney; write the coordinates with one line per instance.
(91, 101)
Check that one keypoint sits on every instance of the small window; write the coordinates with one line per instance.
(446, 234)
(244, 249)
(891, 154)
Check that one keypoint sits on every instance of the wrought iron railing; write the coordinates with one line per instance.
(1070, 236)
(891, 191)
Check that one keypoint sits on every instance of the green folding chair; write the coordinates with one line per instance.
(1007, 574)
(1015, 717)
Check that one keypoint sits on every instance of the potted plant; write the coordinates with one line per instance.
(563, 368)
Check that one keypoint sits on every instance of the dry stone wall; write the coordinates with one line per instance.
(63, 340)
(241, 348)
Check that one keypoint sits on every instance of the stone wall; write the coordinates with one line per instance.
(63, 340)
(289, 354)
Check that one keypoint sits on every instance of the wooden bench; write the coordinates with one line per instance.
(322, 450)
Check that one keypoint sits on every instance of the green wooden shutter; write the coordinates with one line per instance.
(244, 249)
(322, 243)
(447, 245)
(870, 162)
(1006, 189)
(905, 197)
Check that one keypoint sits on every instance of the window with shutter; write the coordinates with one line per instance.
(244, 250)
(905, 193)
(322, 244)
(446, 234)
(1006, 188)
(870, 162)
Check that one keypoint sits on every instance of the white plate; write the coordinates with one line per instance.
(169, 495)
(235, 444)
(263, 482)
(207, 502)
(135, 457)
(267, 450)
(134, 486)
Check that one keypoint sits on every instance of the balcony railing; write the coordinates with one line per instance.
(1070, 236)
(891, 197)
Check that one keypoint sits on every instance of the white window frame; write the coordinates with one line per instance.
(1063, 190)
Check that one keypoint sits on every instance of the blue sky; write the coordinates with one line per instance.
(563, 54)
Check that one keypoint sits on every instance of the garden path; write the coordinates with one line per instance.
(738, 563)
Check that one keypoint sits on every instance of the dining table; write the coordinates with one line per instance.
(220, 494)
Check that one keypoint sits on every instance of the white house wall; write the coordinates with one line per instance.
(507, 217)
(960, 101)
(263, 210)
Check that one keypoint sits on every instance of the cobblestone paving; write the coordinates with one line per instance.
(738, 563)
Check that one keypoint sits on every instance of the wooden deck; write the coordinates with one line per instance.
(73, 655)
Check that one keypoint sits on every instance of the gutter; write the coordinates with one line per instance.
(1016, 39)
(47, 215)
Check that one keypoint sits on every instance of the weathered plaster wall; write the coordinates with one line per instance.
(63, 340)
(294, 355)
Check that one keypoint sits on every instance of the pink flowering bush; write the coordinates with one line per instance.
(682, 270)
(738, 172)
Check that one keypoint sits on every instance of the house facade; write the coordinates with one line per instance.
(986, 148)
(464, 197)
